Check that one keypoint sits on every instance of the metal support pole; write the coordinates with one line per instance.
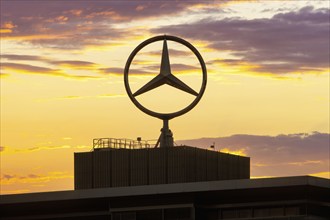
(166, 137)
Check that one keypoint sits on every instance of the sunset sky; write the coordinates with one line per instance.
(62, 64)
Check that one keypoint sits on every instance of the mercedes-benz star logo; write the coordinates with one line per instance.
(165, 76)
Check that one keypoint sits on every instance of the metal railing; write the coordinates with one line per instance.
(115, 143)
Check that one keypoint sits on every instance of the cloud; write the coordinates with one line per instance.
(307, 162)
(11, 150)
(7, 177)
(286, 43)
(45, 148)
(71, 64)
(120, 71)
(281, 155)
(32, 69)
(172, 52)
(32, 178)
(54, 26)
(150, 69)
(112, 71)
(184, 67)
(75, 64)
(70, 25)
(26, 68)
(63, 11)
(22, 57)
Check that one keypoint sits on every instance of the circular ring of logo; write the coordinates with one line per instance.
(165, 116)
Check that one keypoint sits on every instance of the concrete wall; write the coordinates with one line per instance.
(123, 167)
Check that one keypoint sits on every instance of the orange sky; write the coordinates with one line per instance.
(62, 81)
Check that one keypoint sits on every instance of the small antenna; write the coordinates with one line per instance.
(213, 146)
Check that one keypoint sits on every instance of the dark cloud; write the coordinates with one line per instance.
(306, 14)
(120, 71)
(10, 179)
(77, 37)
(7, 176)
(172, 52)
(293, 154)
(70, 63)
(74, 63)
(75, 24)
(22, 57)
(14, 177)
(112, 10)
(64, 26)
(225, 61)
(33, 176)
(31, 69)
(184, 67)
(112, 70)
(154, 69)
(287, 42)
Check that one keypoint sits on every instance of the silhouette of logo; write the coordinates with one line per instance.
(165, 76)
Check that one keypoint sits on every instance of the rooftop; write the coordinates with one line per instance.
(194, 187)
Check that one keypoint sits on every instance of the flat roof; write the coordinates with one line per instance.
(166, 189)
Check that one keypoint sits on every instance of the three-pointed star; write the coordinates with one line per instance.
(165, 77)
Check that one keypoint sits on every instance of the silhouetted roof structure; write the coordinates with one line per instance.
(285, 197)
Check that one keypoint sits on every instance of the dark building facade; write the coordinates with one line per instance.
(110, 167)
(285, 198)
